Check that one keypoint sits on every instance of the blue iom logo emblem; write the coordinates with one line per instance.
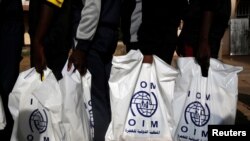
(143, 103)
(197, 113)
(38, 121)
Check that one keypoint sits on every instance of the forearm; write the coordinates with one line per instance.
(206, 24)
(44, 22)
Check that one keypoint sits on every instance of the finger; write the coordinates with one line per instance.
(83, 71)
(148, 59)
(69, 64)
(74, 70)
(204, 71)
(205, 68)
(42, 76)
(79, 67)
(39, 70)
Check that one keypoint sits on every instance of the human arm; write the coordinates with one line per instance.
(88, 24)
(48, 7)
(204, 49)
(37, 43)
(85, 32)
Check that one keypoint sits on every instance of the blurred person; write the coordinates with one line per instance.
(152, 27)
(204, 25)
(50, 29)
(11, 43)
(131, 18)
(96, 36)
(157, 34)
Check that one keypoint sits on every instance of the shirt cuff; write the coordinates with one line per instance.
(83, 45)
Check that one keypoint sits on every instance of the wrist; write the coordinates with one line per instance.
(202, 38)
(83, 45)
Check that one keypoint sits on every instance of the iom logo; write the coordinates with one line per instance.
(38, 121)
(197, 113)
(144, 103)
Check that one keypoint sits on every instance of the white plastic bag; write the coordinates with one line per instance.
(141, 96)
(202, 101)
(76, 105)
(2, 115)
(36, 106)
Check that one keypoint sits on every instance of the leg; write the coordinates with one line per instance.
(99, 65)
(11, 42)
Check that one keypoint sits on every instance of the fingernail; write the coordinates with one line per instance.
(42, 77)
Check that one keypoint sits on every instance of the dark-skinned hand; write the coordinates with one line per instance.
(78, 59)
(39, 58)
(203, 57)
(148, 59)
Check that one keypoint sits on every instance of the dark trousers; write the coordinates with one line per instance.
(99, 64)
(11, 42)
